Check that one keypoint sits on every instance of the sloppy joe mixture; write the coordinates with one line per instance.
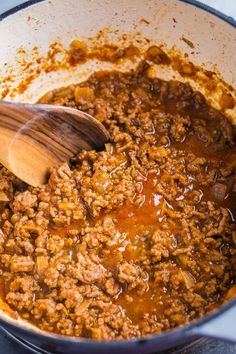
(138, 238)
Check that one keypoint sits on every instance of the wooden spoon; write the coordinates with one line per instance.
(35, 137)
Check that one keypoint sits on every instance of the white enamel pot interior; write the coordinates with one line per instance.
(41, 23)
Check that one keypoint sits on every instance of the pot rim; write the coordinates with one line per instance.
(230, 20)
(186, 330)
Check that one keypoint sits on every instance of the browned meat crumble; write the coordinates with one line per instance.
(133, 240)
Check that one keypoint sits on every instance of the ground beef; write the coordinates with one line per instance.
(133, 240)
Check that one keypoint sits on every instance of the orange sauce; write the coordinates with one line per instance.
(3, 305)
(135, 224)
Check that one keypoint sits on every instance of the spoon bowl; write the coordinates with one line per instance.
(36, 137)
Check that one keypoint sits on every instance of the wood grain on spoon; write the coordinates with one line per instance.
(36, 137)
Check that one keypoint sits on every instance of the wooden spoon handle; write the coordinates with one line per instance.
(13, 116)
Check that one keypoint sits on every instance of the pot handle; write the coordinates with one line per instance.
(221, 325)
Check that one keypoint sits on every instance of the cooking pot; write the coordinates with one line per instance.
(206, 36)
